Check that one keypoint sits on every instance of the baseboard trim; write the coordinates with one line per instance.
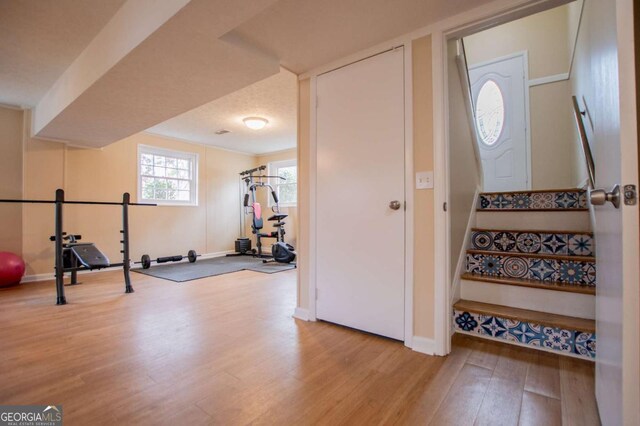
(424, 345)
(301, 314)
(51, 275)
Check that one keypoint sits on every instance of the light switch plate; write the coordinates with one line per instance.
(424, 180)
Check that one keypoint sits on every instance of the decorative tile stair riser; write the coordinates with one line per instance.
(565, 341)
(534, 242)
(547, 200)
(574, 272)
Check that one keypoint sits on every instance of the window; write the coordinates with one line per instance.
(490, 113)
(167, 177)
(287, 190)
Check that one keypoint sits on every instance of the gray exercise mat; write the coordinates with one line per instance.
(180, 272)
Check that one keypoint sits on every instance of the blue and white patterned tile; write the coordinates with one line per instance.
(542, 270)
(574, 342)
(528, 242)
(474, 264)
(589, 274)
(504, 241)
(554, 243)
(515, 267)
(465, 321)
(521, 201)
(580, 245)
(484, 202)
(573, 272)
(558, 243)
(527, 333)
(492, 326)
(543, 200)
(482, 240)
(558, 339)
(533, 200)
(585, 344)
(502, 201)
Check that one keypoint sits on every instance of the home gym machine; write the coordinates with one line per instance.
(281, 251)
(71, 256)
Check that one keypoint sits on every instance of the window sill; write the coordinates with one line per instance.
(161, 203)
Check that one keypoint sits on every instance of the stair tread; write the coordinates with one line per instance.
(537, 317)
(522, 282)
(575, 258)
(531, 231)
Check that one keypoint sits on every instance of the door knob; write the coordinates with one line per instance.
(599, 197)
(394, 205)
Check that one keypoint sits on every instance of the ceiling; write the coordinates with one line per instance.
(195, 59)
(39, 40)
(305, 34)
(274, 98)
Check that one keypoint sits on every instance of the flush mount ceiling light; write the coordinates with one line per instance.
(255, 123)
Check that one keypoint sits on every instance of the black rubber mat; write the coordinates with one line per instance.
(181, 272)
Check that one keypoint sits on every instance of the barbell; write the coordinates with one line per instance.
(146, 260)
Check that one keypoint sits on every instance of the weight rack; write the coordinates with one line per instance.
(59, 265)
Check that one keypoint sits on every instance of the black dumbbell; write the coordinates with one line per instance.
(146, 259)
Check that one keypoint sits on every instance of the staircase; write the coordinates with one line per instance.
(530, 272)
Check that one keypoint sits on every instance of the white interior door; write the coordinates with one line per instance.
(499, 99)
(360, 170)
(609, 97)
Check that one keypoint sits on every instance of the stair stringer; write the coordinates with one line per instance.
(462, 256)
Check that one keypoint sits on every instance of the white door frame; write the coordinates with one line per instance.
(408, 185)
(466, 23)
(459, 26)
(527, 116)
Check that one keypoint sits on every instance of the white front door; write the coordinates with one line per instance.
(360, 170)
(499, 100)
(609, 94)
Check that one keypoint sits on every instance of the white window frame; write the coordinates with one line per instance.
(273, 170)
(193, 157)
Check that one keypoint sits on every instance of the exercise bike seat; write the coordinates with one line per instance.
(273, 234)
(89, 256)
(278, 217)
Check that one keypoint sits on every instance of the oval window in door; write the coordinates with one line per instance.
(489, 113)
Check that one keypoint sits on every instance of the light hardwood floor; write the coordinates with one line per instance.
(225, 350)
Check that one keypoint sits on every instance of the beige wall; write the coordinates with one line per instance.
(581, 86)
(423, 265)
(544, 36)
(292, 221)
(553, 146)
(464, 176)
(105, 174)
(549, 39)
(11, 127)
(304, 185)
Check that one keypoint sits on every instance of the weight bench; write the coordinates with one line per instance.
(89, 256)
(80, 256)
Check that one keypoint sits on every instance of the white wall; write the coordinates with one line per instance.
(464, 175)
